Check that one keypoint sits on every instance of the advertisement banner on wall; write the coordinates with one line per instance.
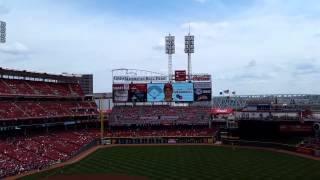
(202, 91)
(139, 78)
(155, 92)
(180, 75)
(182, 92)
(137, 93)
(120, 92)
(201, 77)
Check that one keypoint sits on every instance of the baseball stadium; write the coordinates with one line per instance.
(151, 125)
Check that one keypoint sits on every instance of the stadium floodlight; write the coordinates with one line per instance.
(189, 48)
(2, 32)
(170, 49)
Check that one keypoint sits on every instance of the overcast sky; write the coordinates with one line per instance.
(249, 46)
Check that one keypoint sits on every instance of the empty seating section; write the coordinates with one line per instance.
(39, 88)
(4, 89)
(55, 109)
(159, 115)
(31, 109)
(23, 110)
(76, 89)
(20, 154)
(19, 87)
(61, 89)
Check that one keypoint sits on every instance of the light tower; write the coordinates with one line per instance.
(2, 32)
(189, 48)
(170, 49)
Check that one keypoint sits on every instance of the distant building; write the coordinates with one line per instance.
(103, 100)
(86, 83)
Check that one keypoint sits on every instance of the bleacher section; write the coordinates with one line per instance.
(29, 104)
(123, 115)
(20, 154)
(42, 100)
(12, 87)
(36, 110)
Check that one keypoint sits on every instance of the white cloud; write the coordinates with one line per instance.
(272, 38)
(201, 1)
(249, 52)
(16, 48)
(4, 10)
(207, 29)
(252, 64)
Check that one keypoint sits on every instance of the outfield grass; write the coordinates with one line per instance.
(193, 162)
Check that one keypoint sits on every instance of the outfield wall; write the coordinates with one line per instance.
(160, 140)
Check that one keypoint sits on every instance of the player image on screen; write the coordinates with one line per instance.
(168, 92)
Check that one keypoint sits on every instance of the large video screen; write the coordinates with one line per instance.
(182, 92)
(137, 93)
(167, 92)
(120, 92)
(155, 92)
(202, 91)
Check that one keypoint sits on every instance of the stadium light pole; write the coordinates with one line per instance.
(3, 31)
(170, 49)
(189, 49)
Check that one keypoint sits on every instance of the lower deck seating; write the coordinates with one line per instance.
(20, 154)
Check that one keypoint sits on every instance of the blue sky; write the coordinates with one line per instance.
(250, 46)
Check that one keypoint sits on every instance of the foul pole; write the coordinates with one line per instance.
(101, 119)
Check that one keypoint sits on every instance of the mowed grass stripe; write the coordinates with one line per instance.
(193, 162)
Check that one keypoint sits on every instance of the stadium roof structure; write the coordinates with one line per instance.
(30, 75)
(135, 72)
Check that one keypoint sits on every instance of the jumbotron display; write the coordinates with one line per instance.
(157, 88)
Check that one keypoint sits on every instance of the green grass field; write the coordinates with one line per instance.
(193, 162)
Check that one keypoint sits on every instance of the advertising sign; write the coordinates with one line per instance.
(222, 111)
(140, 78)
(180, 75)
(202, 91)
(155, 92)
(137, 93)
(296, 128)
(205, 77)
(120, 92)
(182, 92)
